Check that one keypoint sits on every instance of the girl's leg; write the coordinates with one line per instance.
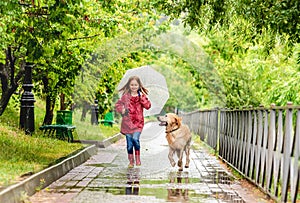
(136, 140)
(136, 144)
(129, 141)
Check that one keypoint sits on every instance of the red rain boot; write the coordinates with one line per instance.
(137, 158)
(131, 161)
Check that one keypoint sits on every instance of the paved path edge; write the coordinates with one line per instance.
(15, 193)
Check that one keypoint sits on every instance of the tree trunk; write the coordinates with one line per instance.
(85, 108)
(5, 97)
(50, 103)
(9, 79)
(62, 101)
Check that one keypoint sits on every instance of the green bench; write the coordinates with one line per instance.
(62, 132)
(108, 119)
(63, 129)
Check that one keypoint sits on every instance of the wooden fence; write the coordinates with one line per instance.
(263, 144)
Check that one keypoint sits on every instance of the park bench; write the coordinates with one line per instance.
(63, 129)
(108, 119)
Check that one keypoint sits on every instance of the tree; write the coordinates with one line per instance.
(38, 32)
(12, 56)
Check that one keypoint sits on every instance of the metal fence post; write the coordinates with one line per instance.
(217, 126)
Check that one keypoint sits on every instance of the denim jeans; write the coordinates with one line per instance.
(133, 141)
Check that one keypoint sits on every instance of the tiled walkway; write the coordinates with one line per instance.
(106, 178)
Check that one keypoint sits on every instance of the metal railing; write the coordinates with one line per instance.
(263, 144)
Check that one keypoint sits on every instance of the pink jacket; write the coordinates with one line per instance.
(134, 120)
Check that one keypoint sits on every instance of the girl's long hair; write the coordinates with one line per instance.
(126, 88)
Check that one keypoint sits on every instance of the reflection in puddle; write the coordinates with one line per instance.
(217, 177)
(178, 194)
(133, 181)
(211, 185)
(179, 186)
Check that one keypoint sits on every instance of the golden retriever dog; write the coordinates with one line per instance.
(179, 138)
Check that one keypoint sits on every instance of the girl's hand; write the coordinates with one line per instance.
(125, 112)
(141, 92)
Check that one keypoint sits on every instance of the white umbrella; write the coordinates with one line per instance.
(155, 83)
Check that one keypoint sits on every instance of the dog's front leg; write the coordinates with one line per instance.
(171, 153)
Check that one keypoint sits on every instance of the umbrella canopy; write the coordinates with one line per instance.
(155, 83)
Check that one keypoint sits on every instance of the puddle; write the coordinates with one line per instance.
(171, 194)
(204, 181)
(178, 187)
(170, 186)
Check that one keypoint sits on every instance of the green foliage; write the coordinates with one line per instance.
(286, 75)
(60, 35)
(279, 16)
(183, 90)
(248, 42)
(251, 73)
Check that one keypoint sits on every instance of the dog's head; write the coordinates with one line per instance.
(170, 120)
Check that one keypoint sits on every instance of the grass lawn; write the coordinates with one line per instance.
(21, 154)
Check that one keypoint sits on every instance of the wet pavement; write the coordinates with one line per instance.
(105, 177)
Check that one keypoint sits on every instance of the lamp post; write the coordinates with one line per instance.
(94, 113)
(27, 102)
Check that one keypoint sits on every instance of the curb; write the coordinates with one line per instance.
(101, 144)
(15, 193)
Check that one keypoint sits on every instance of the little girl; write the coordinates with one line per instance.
(131, 106)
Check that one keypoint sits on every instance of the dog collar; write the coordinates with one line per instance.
(172, 130)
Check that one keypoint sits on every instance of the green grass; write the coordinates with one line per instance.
(20, 153)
